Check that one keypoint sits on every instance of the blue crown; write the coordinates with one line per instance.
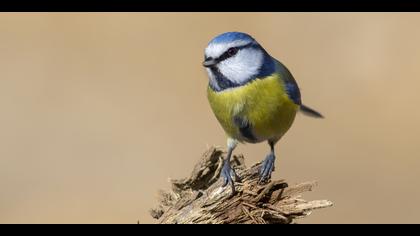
(230, 37)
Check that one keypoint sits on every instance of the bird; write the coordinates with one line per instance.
(254, 97)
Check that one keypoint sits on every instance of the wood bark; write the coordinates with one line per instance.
(200, 199)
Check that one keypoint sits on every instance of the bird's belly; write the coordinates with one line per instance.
(264, 104)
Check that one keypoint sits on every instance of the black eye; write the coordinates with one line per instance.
(232, 51)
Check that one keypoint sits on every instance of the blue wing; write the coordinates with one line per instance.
(292, 87)
(293, 91)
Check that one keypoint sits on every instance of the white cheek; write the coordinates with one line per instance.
(242, 66)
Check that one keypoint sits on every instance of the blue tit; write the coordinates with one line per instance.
(253, 96)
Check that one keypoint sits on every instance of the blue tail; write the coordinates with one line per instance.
(310, 112)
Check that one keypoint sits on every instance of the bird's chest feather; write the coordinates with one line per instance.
(254, 112)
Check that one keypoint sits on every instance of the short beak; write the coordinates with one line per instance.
(209, 63)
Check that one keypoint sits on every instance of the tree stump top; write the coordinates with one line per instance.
(200, 199)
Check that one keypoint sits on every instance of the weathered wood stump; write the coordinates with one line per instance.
(200, 199)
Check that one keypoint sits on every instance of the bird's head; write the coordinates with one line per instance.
(233, 59)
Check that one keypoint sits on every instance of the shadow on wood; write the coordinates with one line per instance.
(201, 199)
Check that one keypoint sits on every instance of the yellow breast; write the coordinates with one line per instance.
(264, 103)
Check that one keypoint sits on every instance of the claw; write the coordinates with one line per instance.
(225, 182)
(267, 168)
(227, 173)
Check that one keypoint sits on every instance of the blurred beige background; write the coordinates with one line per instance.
(97, 111)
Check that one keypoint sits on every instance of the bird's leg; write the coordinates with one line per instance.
(227, 172)
(267, 166)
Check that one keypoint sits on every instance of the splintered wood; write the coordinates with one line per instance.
(200, 199)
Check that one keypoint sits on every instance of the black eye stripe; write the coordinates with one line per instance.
(227, 55)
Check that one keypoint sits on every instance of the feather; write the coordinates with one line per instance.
(310, 112)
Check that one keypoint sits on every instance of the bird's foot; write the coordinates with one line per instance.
(229, 176)
(267, 168)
